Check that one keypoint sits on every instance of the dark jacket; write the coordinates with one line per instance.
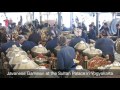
(65, 58)
(7, 45)
(24, 30)
(74, 41)
(118, 33)
(94, 27)
(52, 44)
(3, 38)
(65, 29)
(34, 37)
(102, 28)
(92, 34)
(106, 45)
(28, 45)
(85, 36)
(84, 27)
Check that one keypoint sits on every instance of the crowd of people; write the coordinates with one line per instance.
(27, 36)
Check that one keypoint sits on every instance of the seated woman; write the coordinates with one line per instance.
(65, 56)
(106, 45)
(78, 33)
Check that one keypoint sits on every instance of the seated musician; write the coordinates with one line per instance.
(106, 45)
(78, 38)
(65, 56)
(25, 44)
(35, 37)
(7, 45)
(51, 44)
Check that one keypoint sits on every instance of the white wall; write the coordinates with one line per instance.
(66, 19)
(88, 18)
(2, 17)
(105, 16)
(15, 16)
(85, 16)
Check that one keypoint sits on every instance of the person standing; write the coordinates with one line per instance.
(84, 27)
(118, 30)
(91, 34)
(6, 22)
(94, 27)
(84, 31)
(105, 28)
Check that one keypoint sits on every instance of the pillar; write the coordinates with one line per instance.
(113, 15)
(59, 19)
(97, 23)
(71, 19)
(33, 15)
(40, 13)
